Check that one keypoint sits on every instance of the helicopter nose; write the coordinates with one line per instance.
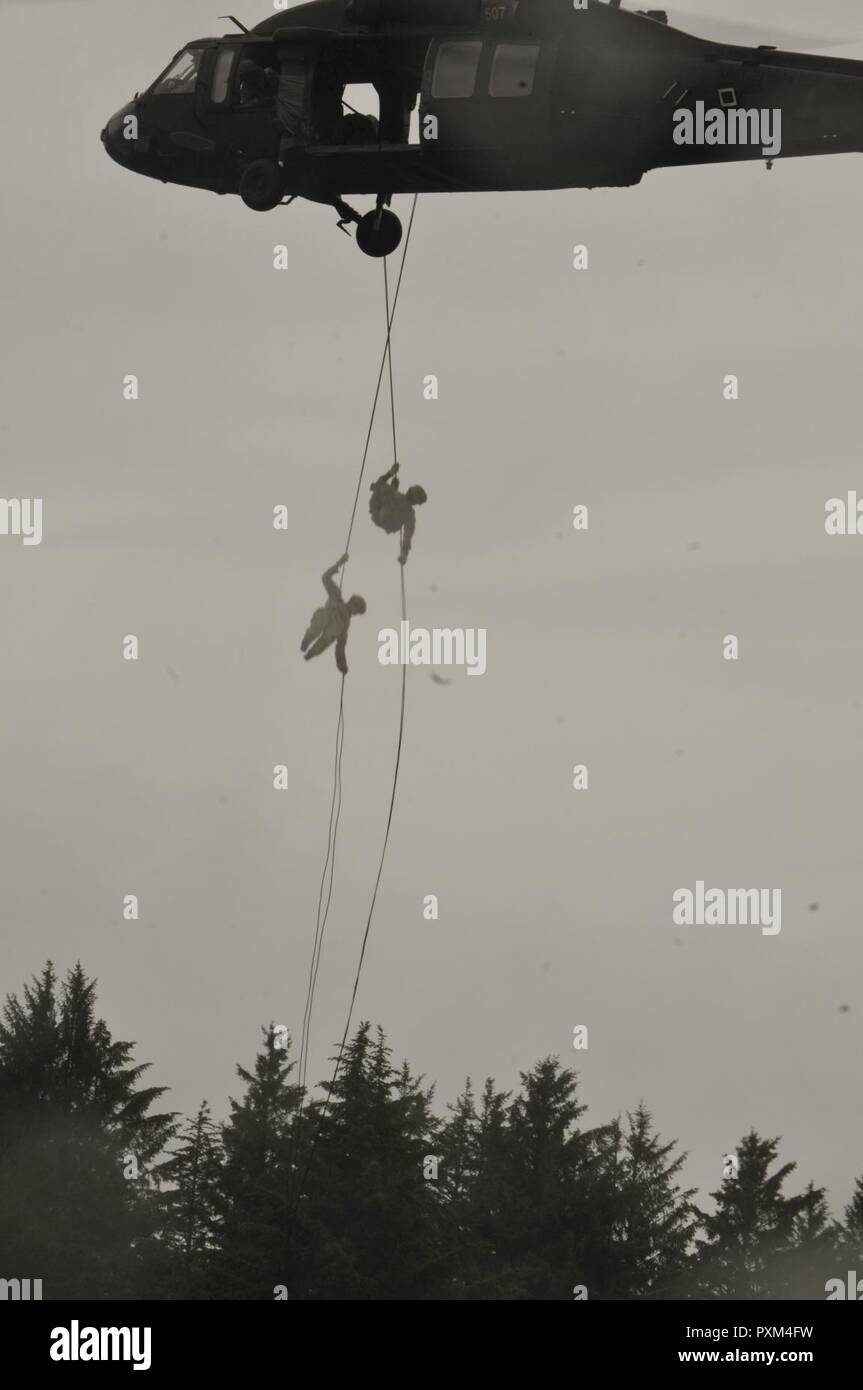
(112, 138)
(120, 136)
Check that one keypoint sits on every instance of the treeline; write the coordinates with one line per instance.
(373, 1196)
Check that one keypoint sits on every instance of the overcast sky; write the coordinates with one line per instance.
(604, 648)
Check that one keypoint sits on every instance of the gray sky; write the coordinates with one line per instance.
(604, 648)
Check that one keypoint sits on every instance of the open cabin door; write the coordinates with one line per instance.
(389, 73)
(244, 94)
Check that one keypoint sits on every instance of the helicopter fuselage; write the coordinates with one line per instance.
(517, 94)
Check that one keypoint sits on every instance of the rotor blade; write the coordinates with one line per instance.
(751, 33)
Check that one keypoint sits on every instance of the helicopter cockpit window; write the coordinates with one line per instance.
(181, 76)
(513, 69)
(455, 69)
(222, 75)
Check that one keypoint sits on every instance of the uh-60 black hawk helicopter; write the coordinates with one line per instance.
(511, 94)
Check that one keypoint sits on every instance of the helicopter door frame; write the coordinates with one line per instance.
(250, 129)
(320, 95)
(297, 60)
(207, 105)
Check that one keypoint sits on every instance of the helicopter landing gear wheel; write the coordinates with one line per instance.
(379, 232)
(262, 185)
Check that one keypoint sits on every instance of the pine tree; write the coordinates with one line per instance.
(854, 1225)
(459, 1145)
(542, 1235)
(753, 1228)
(531, 1193)
(539, 1212)
(364, 1194)
(192, 1175)
(815, 1252)
(78, 1144)
(371, 1213)
(253, 1193)
(29, 1045)
(474, 1174)
(656, 1222)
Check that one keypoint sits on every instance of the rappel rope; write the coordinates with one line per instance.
(326, 886)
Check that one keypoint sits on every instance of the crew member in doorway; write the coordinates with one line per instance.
(258, 85)
(327, 113)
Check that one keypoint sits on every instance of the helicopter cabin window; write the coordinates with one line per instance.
(455, 69)
(222, 75)
(513, 69)
(181, 76)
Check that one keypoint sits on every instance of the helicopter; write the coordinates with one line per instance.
(509, 95)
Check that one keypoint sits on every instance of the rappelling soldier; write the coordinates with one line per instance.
(393, 510)
(330, 623)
